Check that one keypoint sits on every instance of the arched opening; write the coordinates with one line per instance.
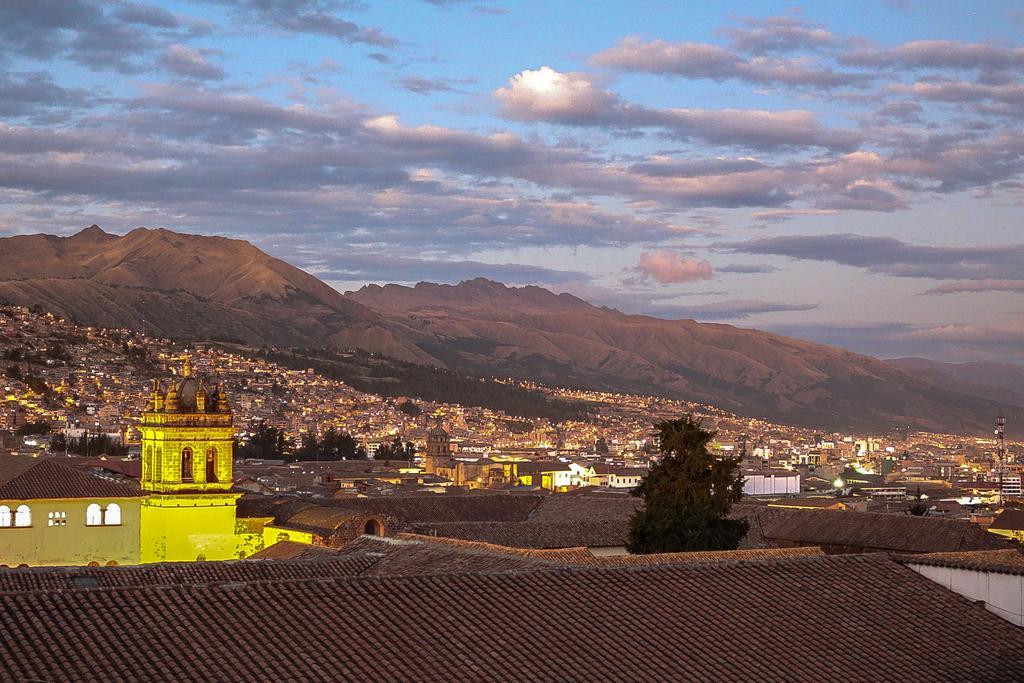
(23, 516)
(93, 515)
(147, 463)
(112, 515)
(372, 528)
(94, 563)
(186, 464)
(112, 563)
(211, 464)
(5, 515)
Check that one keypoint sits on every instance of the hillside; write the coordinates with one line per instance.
(484, 327)
(1003, 382)
(193, 287)
(185, 286)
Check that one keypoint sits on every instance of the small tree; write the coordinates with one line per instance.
(687, 495)
(920, 508)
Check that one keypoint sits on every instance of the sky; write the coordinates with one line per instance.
(844, 172)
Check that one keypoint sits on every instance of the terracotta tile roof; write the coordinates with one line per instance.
(570, 556)
(400, 557)
(708, 556)
(534, 534)
(178, 573)
(749, 621)
(1010, 561)
(34, 478)
(292, 550)
(875, 531)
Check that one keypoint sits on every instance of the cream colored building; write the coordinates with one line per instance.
(54, 514)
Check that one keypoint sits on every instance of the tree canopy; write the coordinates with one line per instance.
(687, 495)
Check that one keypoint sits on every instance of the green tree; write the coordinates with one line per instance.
(920, 508)
(266, 443)
(687, 495)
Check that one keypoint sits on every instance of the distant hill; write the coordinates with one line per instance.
(1003, 382)
(484, 327)
(193, 287)
(185, 286)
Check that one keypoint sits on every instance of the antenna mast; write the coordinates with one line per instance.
(1001, 449)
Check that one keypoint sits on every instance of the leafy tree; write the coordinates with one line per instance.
(267, 443)
(34, 428)
(333, 445)
(601, 446)
(687, 495)
(396, 450)
(920, 508)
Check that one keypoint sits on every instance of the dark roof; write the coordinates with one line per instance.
(400, 557)
(705, 556)
(1010, 561)
(1010, 519)
(425, 508)
(876, 531)
(177, 573)
(571, 556)
(292, 550)
(34, 478)
(534, 534)
(716, 622)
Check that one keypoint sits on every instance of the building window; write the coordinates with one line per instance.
(211, 464)
(372, 528)
(186, 464)
(93, 515)
(23, 516)
(5, 515)
(158, 466)
(57, 519)
(112, 515)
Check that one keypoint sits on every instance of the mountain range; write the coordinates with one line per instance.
(197, 287)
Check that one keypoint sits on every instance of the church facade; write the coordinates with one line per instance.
(183, 510)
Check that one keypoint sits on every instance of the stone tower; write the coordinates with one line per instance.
(186, 468)
(439, 451)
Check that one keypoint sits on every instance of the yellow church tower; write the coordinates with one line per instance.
(186, 469)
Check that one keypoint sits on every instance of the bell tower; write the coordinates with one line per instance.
(187, 460)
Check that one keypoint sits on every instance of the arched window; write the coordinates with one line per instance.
(23, 516)
(5, 515)
(112, 515)
(186, 464)
(372, 528)
(211, 464)
(93, 515)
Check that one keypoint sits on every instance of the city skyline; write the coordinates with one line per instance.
(850, 177)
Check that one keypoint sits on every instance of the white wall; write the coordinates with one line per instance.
(770, 485)
(1003, 594)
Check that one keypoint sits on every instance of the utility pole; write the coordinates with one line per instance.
(1001, 449)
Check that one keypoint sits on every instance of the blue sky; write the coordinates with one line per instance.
(848, 172)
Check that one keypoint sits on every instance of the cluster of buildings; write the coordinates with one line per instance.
(526, 546)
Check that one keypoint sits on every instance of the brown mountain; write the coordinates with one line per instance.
(484, 327)
(189, 286)
(186, 286)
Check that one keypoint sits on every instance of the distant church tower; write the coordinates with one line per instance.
(186, 467)
(439, 450)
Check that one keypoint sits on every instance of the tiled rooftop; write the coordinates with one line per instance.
(850, 618)
(30, 478)
(1010, 561)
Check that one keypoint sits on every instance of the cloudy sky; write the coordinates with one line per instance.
(843, 172)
